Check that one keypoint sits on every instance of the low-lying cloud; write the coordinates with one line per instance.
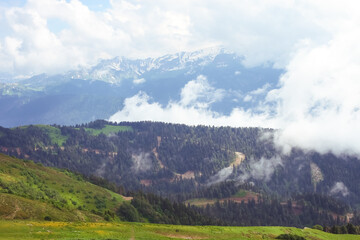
(141, 162)
(193, 108)
(261, 169)
(221, 176)
(200, 94)
(318, 103)
(339, 188)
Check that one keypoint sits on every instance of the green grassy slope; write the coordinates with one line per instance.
(53, 132)
(15, 207)
(59, 139)
(33, 191)
(107, 129)
(80, 230)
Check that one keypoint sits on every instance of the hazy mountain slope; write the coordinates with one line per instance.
(99, 91)
(69, 102)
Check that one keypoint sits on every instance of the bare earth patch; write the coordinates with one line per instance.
(239, 158)
(127, 198)
(187, 175)
(146, 182)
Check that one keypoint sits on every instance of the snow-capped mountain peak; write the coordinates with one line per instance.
(119, 68)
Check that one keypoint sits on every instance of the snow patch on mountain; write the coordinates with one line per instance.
(119, 68)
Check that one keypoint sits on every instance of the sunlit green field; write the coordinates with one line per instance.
(32, 191)
(108, 129)
(104, 230)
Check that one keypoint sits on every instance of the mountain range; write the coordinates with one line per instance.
(99, 91)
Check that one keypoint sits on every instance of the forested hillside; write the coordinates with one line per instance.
(139, 154)
(32, 191)
(179, 161)
(29, 190)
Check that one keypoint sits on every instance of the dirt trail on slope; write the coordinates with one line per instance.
(132, 234)
(157, 157)
(13, 215)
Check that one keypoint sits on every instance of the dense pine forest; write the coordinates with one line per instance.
(156, 152)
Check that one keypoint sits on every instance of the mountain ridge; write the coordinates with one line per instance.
(99, 92)
(134, 68)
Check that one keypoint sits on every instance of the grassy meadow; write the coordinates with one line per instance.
(32, 191)
(123, 230)
(108, 129)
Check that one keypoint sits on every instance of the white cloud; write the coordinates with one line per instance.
(251, 96)
(319, 100)
(200, 93)
(339, 187)
(31, 43)
(261, 31)
(248, 98)
(193, 108)
(262, 90)
(261, 169)
(221, 175)
(139, 81)
(140, 107)
(141, 162)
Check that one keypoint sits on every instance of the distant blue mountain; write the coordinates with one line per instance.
(98, 92)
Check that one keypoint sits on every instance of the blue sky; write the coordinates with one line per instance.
(97, 5)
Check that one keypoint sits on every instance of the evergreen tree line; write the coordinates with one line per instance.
(155, 209)
(268, 212)
(348, 228)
